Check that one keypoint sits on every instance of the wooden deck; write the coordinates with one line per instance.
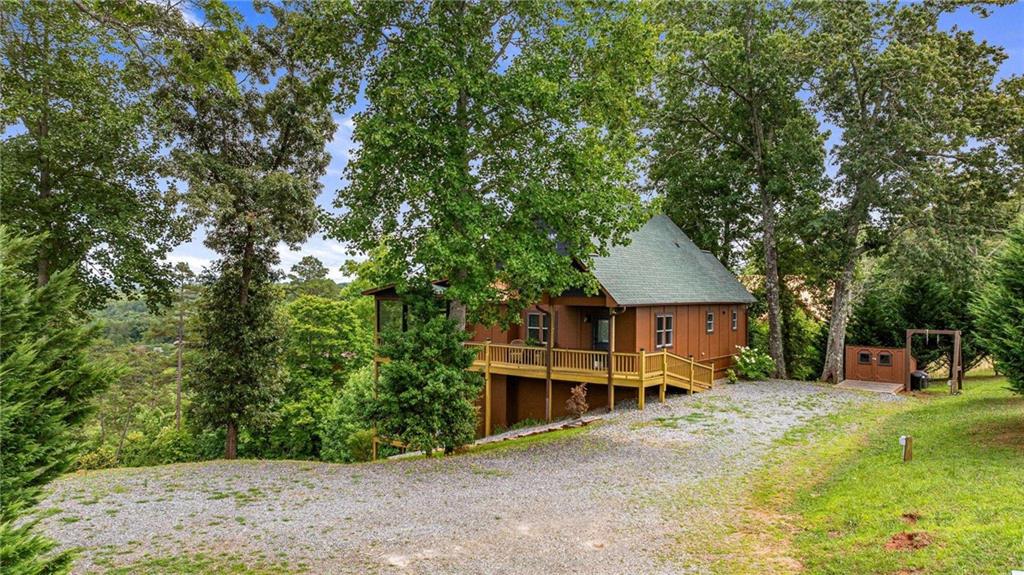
(873, 386)
(636, 370)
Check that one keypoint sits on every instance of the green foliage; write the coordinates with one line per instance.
(253, 157)
(730, 126)
(81, 152)
(753, 363)
(48, 379)
(237, 375)
(926, 153)
(346, 429)
(325, 343)
(999, 308)
(309, 277)
(426, 398)
(498, 145)
(803, 339)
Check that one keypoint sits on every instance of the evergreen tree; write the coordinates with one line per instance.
(425, 395)
(999, 308)
(252, 157)
(48, 379)
(237, 377)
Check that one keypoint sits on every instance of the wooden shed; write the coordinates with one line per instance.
(878, 364)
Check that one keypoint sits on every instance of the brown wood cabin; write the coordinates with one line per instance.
(668, 315)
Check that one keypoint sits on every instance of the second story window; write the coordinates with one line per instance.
(537, 326)
(663, 331)
(709, 322)
(735, 319)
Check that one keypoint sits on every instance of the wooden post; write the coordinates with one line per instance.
(712, 382)
(487, 388)
(958, 380)
(908, 447)
(549, 317)
(642, 388)
(906, 363)
(611, 358)
(691, 375)
(664, 375)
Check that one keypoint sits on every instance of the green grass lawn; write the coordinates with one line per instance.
(847, 504)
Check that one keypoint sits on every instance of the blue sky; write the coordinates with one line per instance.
(1004, 28)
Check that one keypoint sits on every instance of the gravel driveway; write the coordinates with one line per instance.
(615, 498)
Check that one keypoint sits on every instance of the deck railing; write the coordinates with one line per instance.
(661, 367)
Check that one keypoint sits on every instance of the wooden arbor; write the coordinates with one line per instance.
(956, 373)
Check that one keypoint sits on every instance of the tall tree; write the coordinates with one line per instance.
(49, 377)
(999, 308)
(497, 145)
(732, 134)
(252, 157)
(919, 145)
(83, 141)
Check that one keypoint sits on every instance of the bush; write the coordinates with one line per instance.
(426, 398)
(346, 428)
(752, 363)
(102, 457)
(49, 379)
(731, 377)
(999, 309)
(576, 405)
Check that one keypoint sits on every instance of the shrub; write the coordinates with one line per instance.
(49, 379)
(425, 397)
(102, 457)
(752, 363)
(576, 405)
(347, 418)
(730, 376)
(999, 309)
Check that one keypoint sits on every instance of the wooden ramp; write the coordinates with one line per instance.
(873, 386)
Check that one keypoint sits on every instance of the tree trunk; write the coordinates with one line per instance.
(181, 346)
(833, 369)
(231, 441)
(771, 287)
(120, 442)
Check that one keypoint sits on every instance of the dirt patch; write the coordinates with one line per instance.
(910, 518)
(1007, 433)
(909, 541)
(909, 571)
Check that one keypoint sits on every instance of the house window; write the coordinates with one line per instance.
(735, 319)
(537, 326)
(885, 359)
(864, 358)
(663, 331)
(709, 322)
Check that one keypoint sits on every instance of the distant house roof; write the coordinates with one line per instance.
(662, 266)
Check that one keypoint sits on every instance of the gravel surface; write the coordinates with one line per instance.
(615, 498)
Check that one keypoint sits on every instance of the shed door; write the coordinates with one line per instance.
(885, 367)
(863, 365)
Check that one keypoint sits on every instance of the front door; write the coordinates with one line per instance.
(600, 333)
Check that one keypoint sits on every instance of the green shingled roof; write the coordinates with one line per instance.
(662, 266)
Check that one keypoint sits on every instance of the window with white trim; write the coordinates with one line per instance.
(709, 322)
(735, 318)
(662, 331)
(537, 327)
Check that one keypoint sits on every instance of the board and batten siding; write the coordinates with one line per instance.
(689, 334)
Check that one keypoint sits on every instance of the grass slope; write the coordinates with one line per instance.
(846, 503)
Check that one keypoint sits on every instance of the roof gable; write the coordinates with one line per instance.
(662, 266)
